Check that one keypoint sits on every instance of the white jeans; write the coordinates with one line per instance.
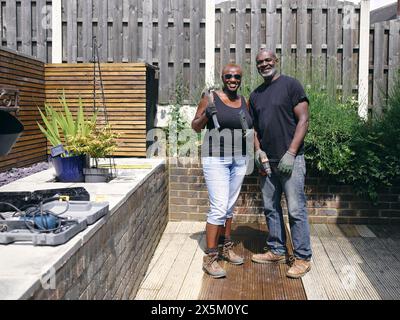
(224, 178)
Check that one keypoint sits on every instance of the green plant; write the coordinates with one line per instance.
(60, 127)
(334, 127)
(177, 123)
(365, 155)
(98, 143)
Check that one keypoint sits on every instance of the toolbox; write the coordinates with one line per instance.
(69, 217)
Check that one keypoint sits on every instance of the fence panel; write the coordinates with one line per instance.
(304, 35)
(384, 62)
(25, 27)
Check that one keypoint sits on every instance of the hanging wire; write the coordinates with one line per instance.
(96, 65)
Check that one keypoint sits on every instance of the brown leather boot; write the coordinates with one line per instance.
(211, 266)
(268, 257)
(298, 269)
(229, 255)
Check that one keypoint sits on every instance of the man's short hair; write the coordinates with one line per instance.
(267, 50)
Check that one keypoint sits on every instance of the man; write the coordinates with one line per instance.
(279, 108)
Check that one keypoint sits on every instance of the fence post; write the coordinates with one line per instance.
(364, 59)
(210, 42)
(56, 26)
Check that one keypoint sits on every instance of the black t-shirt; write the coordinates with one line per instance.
(229, 140)
(271, 107)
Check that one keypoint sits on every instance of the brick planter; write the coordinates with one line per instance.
(113, 262)
(326, 202)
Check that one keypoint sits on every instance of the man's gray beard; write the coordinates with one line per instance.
(269, 75)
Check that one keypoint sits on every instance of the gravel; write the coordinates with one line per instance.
(19, 173)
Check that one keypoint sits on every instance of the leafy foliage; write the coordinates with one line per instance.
(176, 123)
(78, 135)
(340, 144)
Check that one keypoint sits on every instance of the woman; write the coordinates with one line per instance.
(224, 164)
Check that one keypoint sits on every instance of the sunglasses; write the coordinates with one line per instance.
(229, 76)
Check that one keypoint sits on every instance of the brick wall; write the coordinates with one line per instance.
(112, 264)
(327, 202)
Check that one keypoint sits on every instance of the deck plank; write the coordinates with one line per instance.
(258, 281)
(381, 272)
(329, 277)
(347, 272)
(178, 271)
(364, 231)
(191, 285)
(349, 262)
(365, 273)
(162, 245)
(155, 279)
(171, 227)
(322, 230)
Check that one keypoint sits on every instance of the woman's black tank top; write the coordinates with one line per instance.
(229, 139)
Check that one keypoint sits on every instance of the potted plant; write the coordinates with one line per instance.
(65, 133)
(99, 143)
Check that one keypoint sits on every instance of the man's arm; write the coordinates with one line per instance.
(257, 144)
(286, 164)
(302, 117)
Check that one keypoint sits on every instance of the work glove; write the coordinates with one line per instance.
(258, 156)
(262, 162)
(211, 110)
(286, 164)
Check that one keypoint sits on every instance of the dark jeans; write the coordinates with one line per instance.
(293, 187)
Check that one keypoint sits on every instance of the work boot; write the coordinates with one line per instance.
(298, 269)
(229, 255)
(211, 266)
(268, 257)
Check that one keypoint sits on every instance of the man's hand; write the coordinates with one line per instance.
(262, 162)
(286, 164)
(211, 110)
(258, 156)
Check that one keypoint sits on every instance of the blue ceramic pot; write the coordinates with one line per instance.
(69, 169)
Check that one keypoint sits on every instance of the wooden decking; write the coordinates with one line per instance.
(349, 262)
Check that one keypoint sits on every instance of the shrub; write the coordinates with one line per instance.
(334, 127)
(341, 145)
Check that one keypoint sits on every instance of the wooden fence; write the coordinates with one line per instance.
(318, 39)
(127, 93)
(27, 75)
(167, 34)
(315, 40)
(384, 61)
(26, 27)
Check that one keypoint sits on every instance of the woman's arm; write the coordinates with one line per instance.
(200, 119)
(257, 144)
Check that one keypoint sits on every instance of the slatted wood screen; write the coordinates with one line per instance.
(126, 97)
(27, 75)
